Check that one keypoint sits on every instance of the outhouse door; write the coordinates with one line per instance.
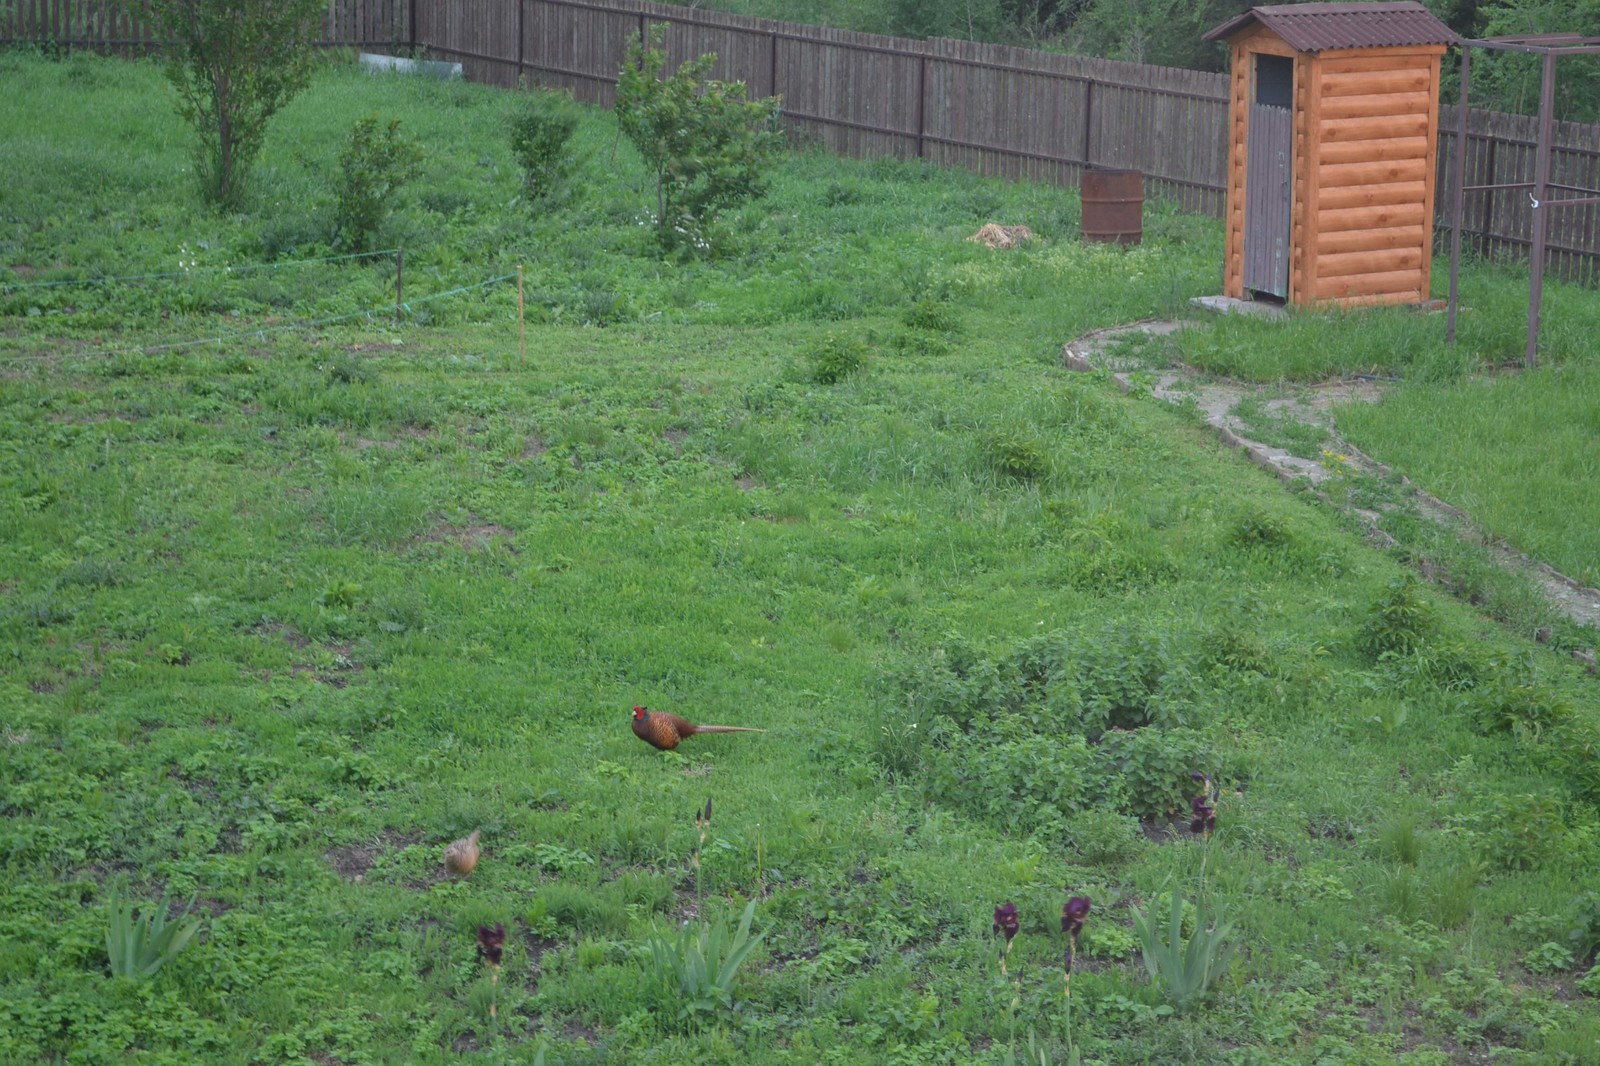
(1269, 156)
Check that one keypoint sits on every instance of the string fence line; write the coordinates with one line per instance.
(187, 272)
(263, 331)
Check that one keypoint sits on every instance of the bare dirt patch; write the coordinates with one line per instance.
(354, 861)
(472, 536)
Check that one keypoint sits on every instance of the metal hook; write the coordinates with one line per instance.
(1532, 201)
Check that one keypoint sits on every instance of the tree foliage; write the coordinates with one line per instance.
(235, 64)
(1510, 81)
(1168, 33)
(706, 145)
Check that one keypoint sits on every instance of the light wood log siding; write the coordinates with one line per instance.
(999, 110)
(1369, 163)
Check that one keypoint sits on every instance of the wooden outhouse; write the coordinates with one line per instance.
(1333, 127)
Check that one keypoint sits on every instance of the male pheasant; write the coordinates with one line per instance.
(662, 730)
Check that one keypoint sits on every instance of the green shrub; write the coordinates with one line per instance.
(540, 134)
(1400, 621)
(1104, 837)
(1259, 528)
(836, 357)
(234, 66)
(1517, 702)
(1583, 934)
(1521, 831)
(1548, 958)
(374, 165)
(1016, 452)
(1575, 752)
(931, 314)
(1589, 983)
(1027, 782)
(1152, 768)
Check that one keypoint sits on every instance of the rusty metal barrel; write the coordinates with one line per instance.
(1113, 206)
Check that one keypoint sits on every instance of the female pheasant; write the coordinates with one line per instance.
(662, 730)
(462, 855)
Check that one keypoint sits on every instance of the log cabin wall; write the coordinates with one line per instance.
(1372, 117)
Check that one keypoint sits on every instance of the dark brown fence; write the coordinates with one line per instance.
(998, 110)
(1498, 224)
(122, 27)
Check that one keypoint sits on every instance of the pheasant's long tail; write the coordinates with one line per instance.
(727, 729)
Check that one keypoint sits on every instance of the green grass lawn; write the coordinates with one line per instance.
(284, 615)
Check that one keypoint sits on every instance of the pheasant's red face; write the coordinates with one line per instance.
(639, 714)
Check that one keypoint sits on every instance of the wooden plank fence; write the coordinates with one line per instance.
(995, 109)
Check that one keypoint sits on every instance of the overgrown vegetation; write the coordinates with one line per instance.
(285, 614)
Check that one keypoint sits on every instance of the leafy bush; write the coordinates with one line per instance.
(931, 314)
(1547, 958)
(1026, 782)
(1261, 528)
(1185, 971)
(373, 167)
(706, 146)
(1130, 676)
(1400, 621)
(1583, 935)
(1589, 983)
(1016, 452)
(1104, 837)
(698, 966)
(1521, 831)
(1575, 752)
(138, 947)
(540, 134)
(1519, 703)
(1152, 768)
(835, 357)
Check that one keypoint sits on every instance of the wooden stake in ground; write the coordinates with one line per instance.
(522, 325)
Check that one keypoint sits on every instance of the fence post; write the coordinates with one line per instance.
(399, 280)
(922, 100)
(1541, 210)
(1485, 236)
(1088, 120)
(772, 80)
(522, 9)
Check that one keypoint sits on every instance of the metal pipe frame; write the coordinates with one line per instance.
(1549, 46)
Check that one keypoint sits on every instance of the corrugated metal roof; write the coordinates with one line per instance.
(1319, 27)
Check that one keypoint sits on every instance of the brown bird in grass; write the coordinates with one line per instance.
(462, 855)
(662, 730)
